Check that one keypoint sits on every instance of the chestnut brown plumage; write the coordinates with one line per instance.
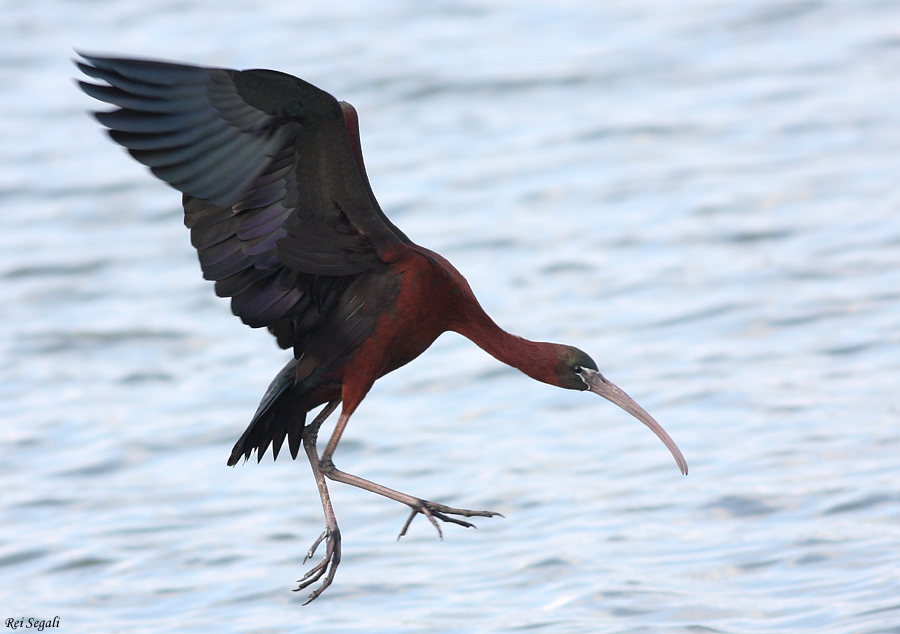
(285, 222)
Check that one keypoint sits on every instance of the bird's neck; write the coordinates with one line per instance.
(465, 316)
(534, 358)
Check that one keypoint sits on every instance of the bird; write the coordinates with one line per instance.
(284, 220)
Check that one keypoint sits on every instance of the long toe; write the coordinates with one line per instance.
(326, 568)
(434, 511)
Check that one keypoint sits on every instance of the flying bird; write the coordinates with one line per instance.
(284, 220)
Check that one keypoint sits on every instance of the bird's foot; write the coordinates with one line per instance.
(325, 568)
(434, 512)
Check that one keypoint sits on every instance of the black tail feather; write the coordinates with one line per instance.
(277, 441)
(294, 433)
(276, 416)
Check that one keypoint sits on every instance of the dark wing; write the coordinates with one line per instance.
(275, 191)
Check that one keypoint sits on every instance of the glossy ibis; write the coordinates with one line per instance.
(285, 222)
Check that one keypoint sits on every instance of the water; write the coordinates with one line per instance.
(700, 194)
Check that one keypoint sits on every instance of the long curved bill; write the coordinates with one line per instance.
(598, 384)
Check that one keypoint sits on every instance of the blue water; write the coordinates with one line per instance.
(703, 195)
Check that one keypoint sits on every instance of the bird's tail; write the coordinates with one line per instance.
(279, 414)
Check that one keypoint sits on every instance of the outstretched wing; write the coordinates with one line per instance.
(275, 191)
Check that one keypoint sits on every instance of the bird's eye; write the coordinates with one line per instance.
(577, 369)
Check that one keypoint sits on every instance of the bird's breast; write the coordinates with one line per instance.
(422, 311)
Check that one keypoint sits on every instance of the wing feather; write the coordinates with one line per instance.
(278, 205)
(276, 195)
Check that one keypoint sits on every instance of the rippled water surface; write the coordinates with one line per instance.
(702, 194)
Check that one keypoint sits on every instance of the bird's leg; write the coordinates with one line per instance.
(432, 510)
(332, 534)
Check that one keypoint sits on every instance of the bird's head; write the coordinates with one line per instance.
(575, 370)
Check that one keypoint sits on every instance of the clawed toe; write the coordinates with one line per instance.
(434, 512)
(312, 549)
(326, 568)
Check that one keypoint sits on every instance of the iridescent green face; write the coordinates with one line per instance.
(572, 363)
